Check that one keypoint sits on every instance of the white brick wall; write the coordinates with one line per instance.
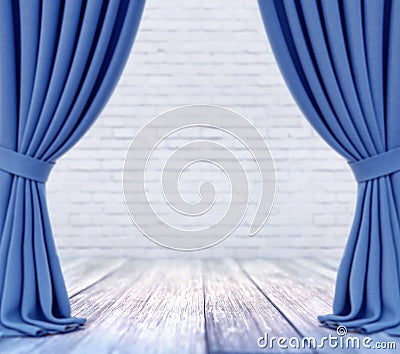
(211, 52)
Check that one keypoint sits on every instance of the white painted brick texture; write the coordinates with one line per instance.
(211, 52)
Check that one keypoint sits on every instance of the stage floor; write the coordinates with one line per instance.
(192, 306)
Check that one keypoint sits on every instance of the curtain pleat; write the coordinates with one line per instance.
(60, 61)
(340, 60)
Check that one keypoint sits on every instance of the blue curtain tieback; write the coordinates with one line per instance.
(25, 166)
(376, 166)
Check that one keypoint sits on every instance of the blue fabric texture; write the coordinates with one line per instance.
(340, 60)
(60, 61)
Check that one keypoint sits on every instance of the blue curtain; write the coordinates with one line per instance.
(341, 62)
(60, 61)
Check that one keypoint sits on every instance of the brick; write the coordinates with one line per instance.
(211, 52)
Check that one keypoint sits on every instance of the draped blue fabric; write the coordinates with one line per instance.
(60, 61)
(341, 62)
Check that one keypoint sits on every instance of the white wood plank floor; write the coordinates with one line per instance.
(208, 306)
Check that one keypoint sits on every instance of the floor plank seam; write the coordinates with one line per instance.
(270, 301)
(206, 339)
(105, 276)
(327, 265)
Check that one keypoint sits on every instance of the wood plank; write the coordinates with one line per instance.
(237, 313)
(314, 268)
(84, 272)
(143, 307)
(299, 292)
(79, 274)
(172, 319)
(314, 273)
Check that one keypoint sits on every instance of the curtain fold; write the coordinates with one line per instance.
(340, 60)
(60, 61)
